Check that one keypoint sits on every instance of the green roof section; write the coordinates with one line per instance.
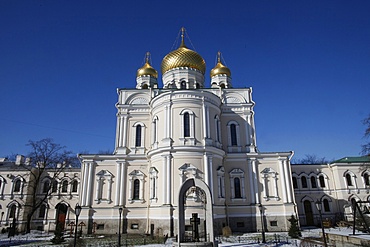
(360, 159)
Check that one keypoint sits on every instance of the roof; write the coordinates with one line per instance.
(361, 159)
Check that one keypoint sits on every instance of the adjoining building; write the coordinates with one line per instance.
(16, 185)
(335, 184)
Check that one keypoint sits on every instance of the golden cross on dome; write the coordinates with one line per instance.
(147, 56)
(218, 57)
(182, 36)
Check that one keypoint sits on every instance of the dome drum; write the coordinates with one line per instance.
(175, 78)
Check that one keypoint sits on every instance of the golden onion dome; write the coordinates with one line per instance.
(147, 69)
(220, 69)
(183, 57)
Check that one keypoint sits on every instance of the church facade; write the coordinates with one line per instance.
(186, 130)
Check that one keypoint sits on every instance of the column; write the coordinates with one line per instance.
(283, 180)
(123, 184)
(169, 184)
(90, 184)
(118, 130)
(124, 131)
(109, 190)
(165, 177)
(265, 184)
(210, 175)
(274, 176)
(251, 181)
(167, 126)
(288, 175)
(205, 168)
(255, 181)
(98, 189)
(247, 130)
(118, 184)
(83, 186)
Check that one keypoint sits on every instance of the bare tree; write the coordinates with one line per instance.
(311, 159)
(46, 159)
(366, 146)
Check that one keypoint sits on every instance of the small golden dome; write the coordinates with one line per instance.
(147, 69)
(220, 69)
(183, 57)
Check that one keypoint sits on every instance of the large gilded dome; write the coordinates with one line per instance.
(183, 57)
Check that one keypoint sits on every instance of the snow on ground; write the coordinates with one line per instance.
(281, 239)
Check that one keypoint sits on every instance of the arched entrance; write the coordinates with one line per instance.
(197, 186)
(308, 212)
(61, 215)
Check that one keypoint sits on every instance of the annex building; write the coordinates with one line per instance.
(186, 146)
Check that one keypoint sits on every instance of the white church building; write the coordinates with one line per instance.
(187, 147)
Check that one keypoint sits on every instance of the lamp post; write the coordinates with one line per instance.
(262, 223)
(318, 204)
(77, 212)
(119, 227)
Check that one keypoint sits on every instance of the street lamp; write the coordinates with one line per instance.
(119, 227)
(77, 212)
(318, 204)
(262, 223)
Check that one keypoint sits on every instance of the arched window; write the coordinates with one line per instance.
(45, 188)
(17, 185)
(237, 188)
(183, 85)
(326, 205)
(136, 192)
(322, 181)
(313, 182)
(42, 211)
(54, 187)
(349, 180)
(295, 184)
(304, 182)
(138, 136)
(74, 185)
(12, 211)
(222, 85)
(234, 141)
(186, 124)
(145, 86)
(237, 183)
(197, 86)
(64, 186)
(153, 182)
(366, 179)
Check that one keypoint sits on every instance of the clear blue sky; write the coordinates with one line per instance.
(308, 63)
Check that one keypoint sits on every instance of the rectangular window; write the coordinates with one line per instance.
(134, 226)
(239, 224)
(273, 223)
(100, 227)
